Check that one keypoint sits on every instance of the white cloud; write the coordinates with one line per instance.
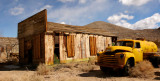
(82, 1)
(46, 7)
(147, 23)
(62, 22)
(16, 11)
(66, 1)
(134, 2)
(118, 18)
(78, 14)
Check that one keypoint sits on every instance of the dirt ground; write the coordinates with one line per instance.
(65, 72)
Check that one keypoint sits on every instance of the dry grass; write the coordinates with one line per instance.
(43, 69)
(79, 66)
(25, 77)
(143, 69)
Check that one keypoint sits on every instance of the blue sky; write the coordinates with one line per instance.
(133, 14)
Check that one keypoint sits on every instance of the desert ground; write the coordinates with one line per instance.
(80, 71)
(76, 71)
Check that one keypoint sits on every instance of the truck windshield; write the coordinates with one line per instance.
(125, 43)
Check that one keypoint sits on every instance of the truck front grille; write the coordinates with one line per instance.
(108, 60)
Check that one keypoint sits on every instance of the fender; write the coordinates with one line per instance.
(129, 55)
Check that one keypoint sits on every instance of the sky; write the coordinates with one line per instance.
(133, 14)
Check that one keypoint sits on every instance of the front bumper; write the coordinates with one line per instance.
(110, 65)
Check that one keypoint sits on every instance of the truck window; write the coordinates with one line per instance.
(137, 45)
(125, 43)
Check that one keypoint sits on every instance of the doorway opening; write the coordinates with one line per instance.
(56, 50)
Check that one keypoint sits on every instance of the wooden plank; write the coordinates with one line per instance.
(33, 25)
(87, 46)
(63, 47)
(70, 45)
(83, 46)
(108, 41)
(77, 46)
(42, 46)
(49, 49)
(36, 47)
(93, 47)
(73, 45)
(21, 48)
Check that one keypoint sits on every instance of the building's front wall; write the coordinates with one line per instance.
(31, 49)
(82, 47)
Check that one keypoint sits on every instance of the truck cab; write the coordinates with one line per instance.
(125, 54)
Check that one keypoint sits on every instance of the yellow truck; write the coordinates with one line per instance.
(126, 54)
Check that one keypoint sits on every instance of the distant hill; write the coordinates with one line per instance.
(125, 33)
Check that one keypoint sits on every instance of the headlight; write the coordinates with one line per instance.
(97, 54)
(121, 56)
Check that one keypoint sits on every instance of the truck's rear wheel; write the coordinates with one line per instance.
(155, 60)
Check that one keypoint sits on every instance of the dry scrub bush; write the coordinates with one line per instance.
(86, 67)
(143, 69)
(43, 69)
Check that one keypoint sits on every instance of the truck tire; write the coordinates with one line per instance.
(155, 60)
(127, 67)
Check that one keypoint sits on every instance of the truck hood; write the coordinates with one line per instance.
(113, 48)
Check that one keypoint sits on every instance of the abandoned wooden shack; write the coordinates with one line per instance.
(43, 41)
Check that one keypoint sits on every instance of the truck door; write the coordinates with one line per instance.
(137, 50)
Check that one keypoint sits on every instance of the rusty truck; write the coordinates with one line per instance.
(126, 54)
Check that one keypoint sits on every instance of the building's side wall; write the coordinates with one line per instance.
(81, 46)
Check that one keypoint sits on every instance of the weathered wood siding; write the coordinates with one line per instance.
(108, 41)
(62, 47)
(33, 25)
(36, 47)
(70, 46)
(93, 45)
(84, 45)
(49, 49)
(100, 42)
(21, 50)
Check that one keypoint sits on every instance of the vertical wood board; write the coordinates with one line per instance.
(62, 47)
(21, 48)
(36, 47)
(49, 49)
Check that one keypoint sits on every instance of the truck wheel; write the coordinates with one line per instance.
(126, 68)
(155, 61)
